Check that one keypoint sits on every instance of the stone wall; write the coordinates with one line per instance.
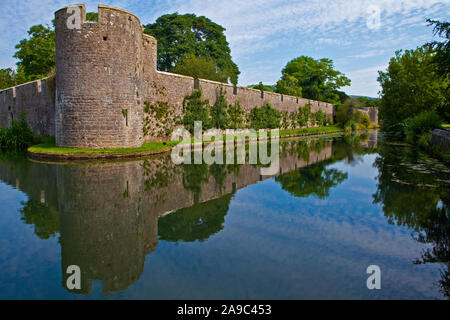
(105, 76)
(35, 99)
(371, 112)
(441, 138)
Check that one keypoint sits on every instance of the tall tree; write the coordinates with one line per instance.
(442, 48)
(312, 79)
(200, 68)
(411, 85)
(36, 54)
(179, 35)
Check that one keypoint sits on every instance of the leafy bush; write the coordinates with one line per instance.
(365, 120)
(304, 115)
(320, 118)
(235, 115)
(265, 117)
(219, 117)
(421, 124)
(195, 109)
(17, 137)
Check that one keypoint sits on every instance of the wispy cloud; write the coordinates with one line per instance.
(264, 35)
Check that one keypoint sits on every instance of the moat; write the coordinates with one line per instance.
(149, 229)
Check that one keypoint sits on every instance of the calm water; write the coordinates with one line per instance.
(150, 229)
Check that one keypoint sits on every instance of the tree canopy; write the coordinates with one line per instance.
(312, 79)
(442, 48)
(7, 78)
(200, 68)
(181, 35)
(36, 54)
(261, 86)
(411, 85)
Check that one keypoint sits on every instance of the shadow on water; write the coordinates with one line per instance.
(111, 215)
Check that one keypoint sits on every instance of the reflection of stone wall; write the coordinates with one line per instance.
(109, 212)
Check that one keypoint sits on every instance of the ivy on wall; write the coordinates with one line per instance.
(160, 118)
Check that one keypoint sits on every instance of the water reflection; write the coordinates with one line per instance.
(414, 192)
(111, 216)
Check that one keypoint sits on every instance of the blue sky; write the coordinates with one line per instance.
(264, 35)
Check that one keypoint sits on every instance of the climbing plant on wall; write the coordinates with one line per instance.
(235, 115)
(219, 117)
(195, 109)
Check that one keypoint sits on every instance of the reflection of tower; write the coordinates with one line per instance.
(105, 229)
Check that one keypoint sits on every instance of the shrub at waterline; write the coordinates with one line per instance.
(17, 137)
(265, 117)
(195, 109)
(418, 127)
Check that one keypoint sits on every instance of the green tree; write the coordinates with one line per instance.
(7, 78)
(265, 117)
(195, 109)
(304, 115)
(219, 118)
(442, 48)
(235, 115)
(36, 54)
(261, 86)
(411, 85)
(320, 118)
(92, 16)
(199, 68)
(312, 79)
(179, 35)
(289, 85)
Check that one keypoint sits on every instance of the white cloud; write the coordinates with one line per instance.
(268, 32)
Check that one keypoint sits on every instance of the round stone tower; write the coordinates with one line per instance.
(99, 78)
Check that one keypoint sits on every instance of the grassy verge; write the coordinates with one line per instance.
(310, 130)
(47, 144)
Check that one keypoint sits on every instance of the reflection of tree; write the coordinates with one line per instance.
(219, 172)
(414, 194)
(198, 222)
(194, 175)
(313, 180)
(46, 222)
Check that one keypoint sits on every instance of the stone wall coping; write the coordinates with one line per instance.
(100, 6)
(174, 75)
(117, 9)
(23, 84)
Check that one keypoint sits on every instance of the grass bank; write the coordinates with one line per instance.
(47, 146)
